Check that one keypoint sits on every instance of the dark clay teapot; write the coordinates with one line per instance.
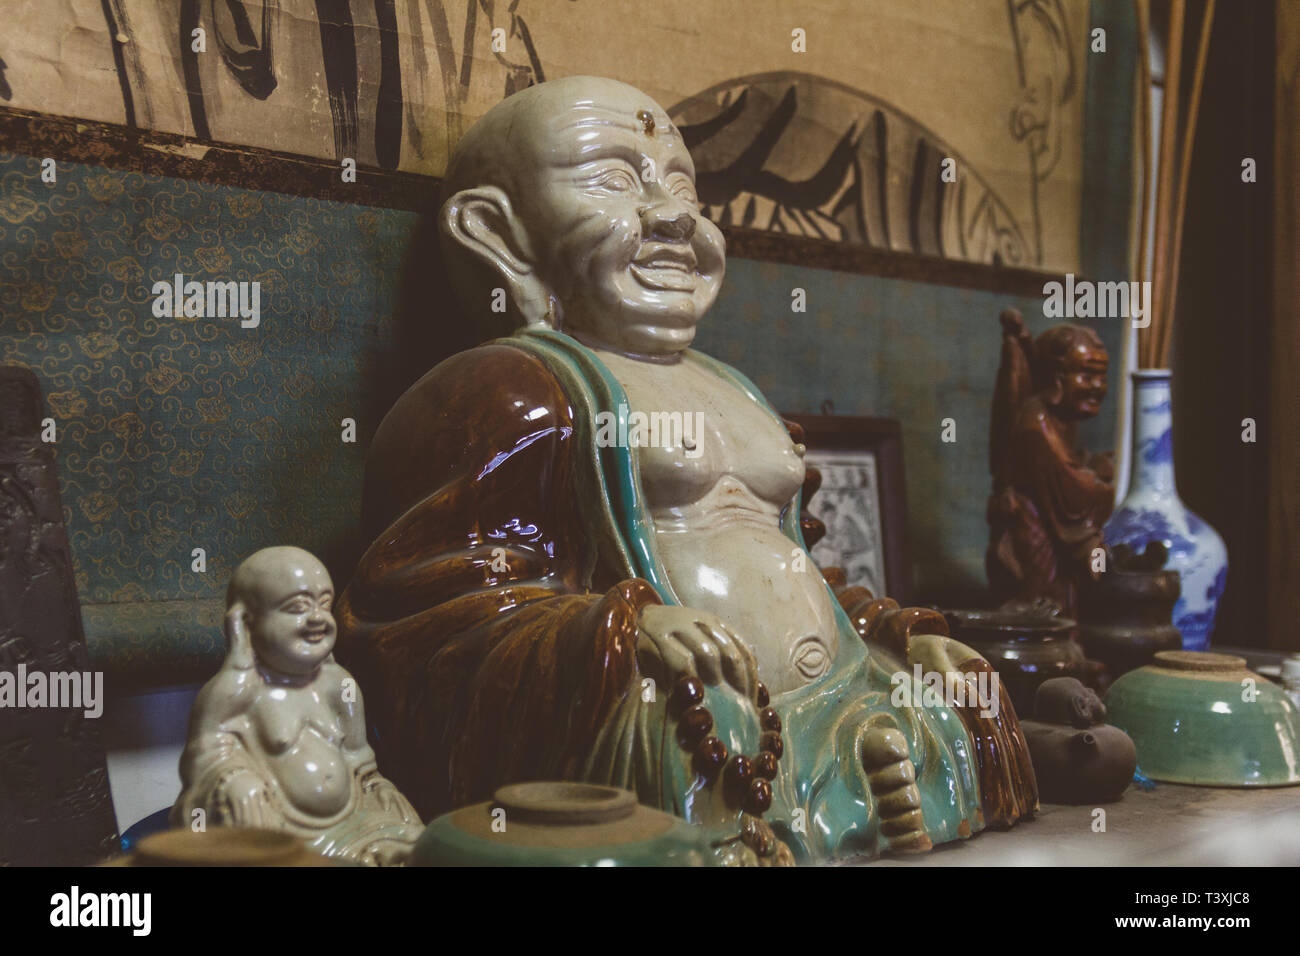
(1078, 758)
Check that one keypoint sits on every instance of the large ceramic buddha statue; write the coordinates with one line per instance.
(557, 590)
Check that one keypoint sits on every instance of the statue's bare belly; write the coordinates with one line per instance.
(716, 493)
(308, 765)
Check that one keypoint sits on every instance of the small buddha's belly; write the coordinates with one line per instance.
(314, 775)
(733, 560)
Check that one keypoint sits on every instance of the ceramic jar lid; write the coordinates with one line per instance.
(561, 823)
(221, 846)
(1201, 662)
(1291, 667)
(565, 803)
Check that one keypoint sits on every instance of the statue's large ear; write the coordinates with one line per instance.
(482, 221)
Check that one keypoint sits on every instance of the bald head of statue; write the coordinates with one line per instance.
(572, 204)
(1073, 364)
(281, 601)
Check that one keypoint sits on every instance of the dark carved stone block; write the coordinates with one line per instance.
(55, 806)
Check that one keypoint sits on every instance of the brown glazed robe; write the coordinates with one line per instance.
(493, 620)
(1047, 516)
(486, 614)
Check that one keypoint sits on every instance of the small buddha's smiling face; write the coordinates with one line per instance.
(618, 227)
(1083, 380)
(290, 620)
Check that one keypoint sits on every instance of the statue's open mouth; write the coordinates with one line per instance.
(672, 278)
(663, 266)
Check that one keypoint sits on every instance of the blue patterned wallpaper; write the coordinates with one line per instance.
(176, 434)
(184, 433)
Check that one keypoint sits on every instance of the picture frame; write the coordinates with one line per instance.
(862, 499)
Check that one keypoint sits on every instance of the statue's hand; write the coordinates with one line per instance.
(385, 853)
(380, 792)
(1103, 465)
(245, 800)
(676, 641)
(1012, 323)
(235, 626)
(939, 653)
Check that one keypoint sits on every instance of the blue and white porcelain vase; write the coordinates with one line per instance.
(1152, 511)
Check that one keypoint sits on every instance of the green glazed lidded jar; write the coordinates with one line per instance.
(562, 824)
(1204, 719)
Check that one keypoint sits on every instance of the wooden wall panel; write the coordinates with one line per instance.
(1284, 447)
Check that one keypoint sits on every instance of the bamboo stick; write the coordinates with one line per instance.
(1189, 139)
(1144, 134)
(1147, 354)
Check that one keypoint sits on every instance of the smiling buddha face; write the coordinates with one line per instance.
(287, 594)
(602, 235)
(1077, 361)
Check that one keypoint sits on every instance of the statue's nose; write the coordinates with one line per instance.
(663, 222)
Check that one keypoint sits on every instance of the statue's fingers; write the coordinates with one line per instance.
(680, 659)
(664, 658)
(708, 657)
(738, 664)
(240, 813)
(249, 810)
(748, 665)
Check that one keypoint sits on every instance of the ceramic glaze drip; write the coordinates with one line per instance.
(1152, 510)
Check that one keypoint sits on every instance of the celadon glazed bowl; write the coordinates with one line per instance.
(561, 824)
(1203, 718)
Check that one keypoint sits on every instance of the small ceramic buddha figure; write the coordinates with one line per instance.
(1078, 757)
(277, 738)
(555, 590)
(1050, 499)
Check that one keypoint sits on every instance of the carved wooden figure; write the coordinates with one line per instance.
(1049, 499)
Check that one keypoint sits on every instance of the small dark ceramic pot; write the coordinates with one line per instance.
(1024, 647)
(1125, 617)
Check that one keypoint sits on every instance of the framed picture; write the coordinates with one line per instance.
(861, 500)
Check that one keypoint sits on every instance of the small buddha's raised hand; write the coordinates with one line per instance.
(236, 627)
(680, 641)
